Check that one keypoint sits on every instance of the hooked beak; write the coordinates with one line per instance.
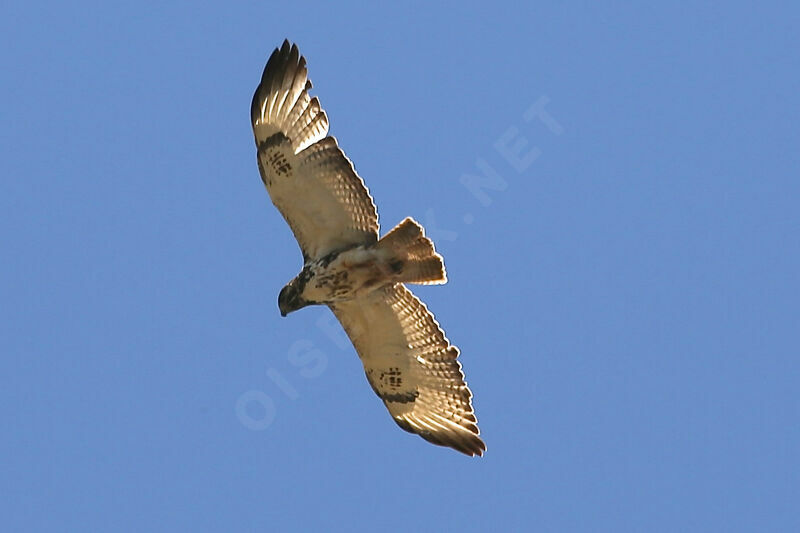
(290, 300)
(293, 305)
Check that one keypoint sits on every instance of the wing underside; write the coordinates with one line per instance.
(412, 367)
(408, 360)
(309, 178)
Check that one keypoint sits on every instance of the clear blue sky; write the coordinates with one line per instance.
(624, 291)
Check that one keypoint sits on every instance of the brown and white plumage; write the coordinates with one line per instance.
(412, 366)
(310, 180)
(408, 360)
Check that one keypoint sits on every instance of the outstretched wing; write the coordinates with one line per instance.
(309, 179)
(412, 366)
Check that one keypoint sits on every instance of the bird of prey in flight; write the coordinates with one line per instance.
(408, 361)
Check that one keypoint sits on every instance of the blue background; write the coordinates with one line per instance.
(626, 302)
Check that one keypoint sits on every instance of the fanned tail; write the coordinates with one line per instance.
(414, 258)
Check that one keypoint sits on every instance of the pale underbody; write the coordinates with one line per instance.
(351, 274)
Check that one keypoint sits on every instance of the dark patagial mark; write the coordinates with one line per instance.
(324, 262)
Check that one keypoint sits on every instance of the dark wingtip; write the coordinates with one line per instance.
(470, 444)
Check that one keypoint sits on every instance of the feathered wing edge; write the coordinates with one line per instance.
(434, 401)
(441, 410)
(281, 102)
(309, 178)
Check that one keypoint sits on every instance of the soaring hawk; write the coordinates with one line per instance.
(408, 361)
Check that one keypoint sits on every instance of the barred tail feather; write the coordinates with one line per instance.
(413, 254)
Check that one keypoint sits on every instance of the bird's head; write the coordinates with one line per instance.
(290, 298)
